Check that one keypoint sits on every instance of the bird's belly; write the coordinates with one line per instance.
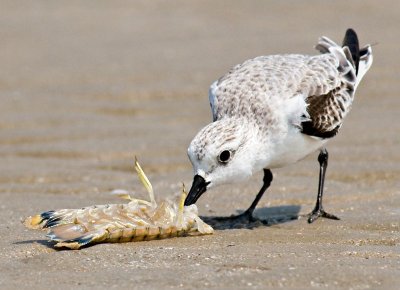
(293, 148)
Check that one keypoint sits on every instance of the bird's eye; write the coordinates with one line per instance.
(224, 156)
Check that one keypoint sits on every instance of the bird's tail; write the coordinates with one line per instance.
(362, 57)
(351, 42)
(350, 52)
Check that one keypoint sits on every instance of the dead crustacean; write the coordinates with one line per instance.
(137, 220)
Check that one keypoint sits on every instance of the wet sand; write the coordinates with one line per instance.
(86, 86)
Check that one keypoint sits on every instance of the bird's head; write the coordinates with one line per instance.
(220, 154)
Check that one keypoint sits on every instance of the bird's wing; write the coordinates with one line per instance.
(328, 90)
(331, 88)
(247, 89)
(321, 83)
(316, 92)
(212, 96)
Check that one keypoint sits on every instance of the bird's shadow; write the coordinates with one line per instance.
(266, 216)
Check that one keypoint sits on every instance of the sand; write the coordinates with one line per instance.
(85, 86)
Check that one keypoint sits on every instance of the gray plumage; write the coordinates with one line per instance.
(271, 111)
(253, 89)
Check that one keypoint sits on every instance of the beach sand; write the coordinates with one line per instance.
(85, 86)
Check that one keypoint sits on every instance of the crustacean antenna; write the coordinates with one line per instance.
(145, 181)
(137, 220)
(181, 205)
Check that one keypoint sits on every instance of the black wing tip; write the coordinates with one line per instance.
(351, 41)
(308, 128)
(352, 32)
(350, 38)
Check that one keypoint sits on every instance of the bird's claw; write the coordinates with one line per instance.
(320, 212)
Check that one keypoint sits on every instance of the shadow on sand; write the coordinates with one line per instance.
(50, 244)
(266, 216)
(47, 243)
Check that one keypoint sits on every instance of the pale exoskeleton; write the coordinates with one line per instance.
(137, 220)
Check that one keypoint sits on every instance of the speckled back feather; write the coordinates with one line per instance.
(258, 88)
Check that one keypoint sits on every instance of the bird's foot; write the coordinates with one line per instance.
(320, 212)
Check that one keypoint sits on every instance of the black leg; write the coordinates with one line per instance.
(319, 211)
(266, 183)
(248, 214)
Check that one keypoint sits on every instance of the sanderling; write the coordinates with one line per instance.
(275, 110)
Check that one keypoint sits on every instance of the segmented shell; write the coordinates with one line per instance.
(137, 220)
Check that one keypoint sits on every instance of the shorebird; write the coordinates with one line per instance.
(275, 110)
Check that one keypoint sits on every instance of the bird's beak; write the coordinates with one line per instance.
(199, 186)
